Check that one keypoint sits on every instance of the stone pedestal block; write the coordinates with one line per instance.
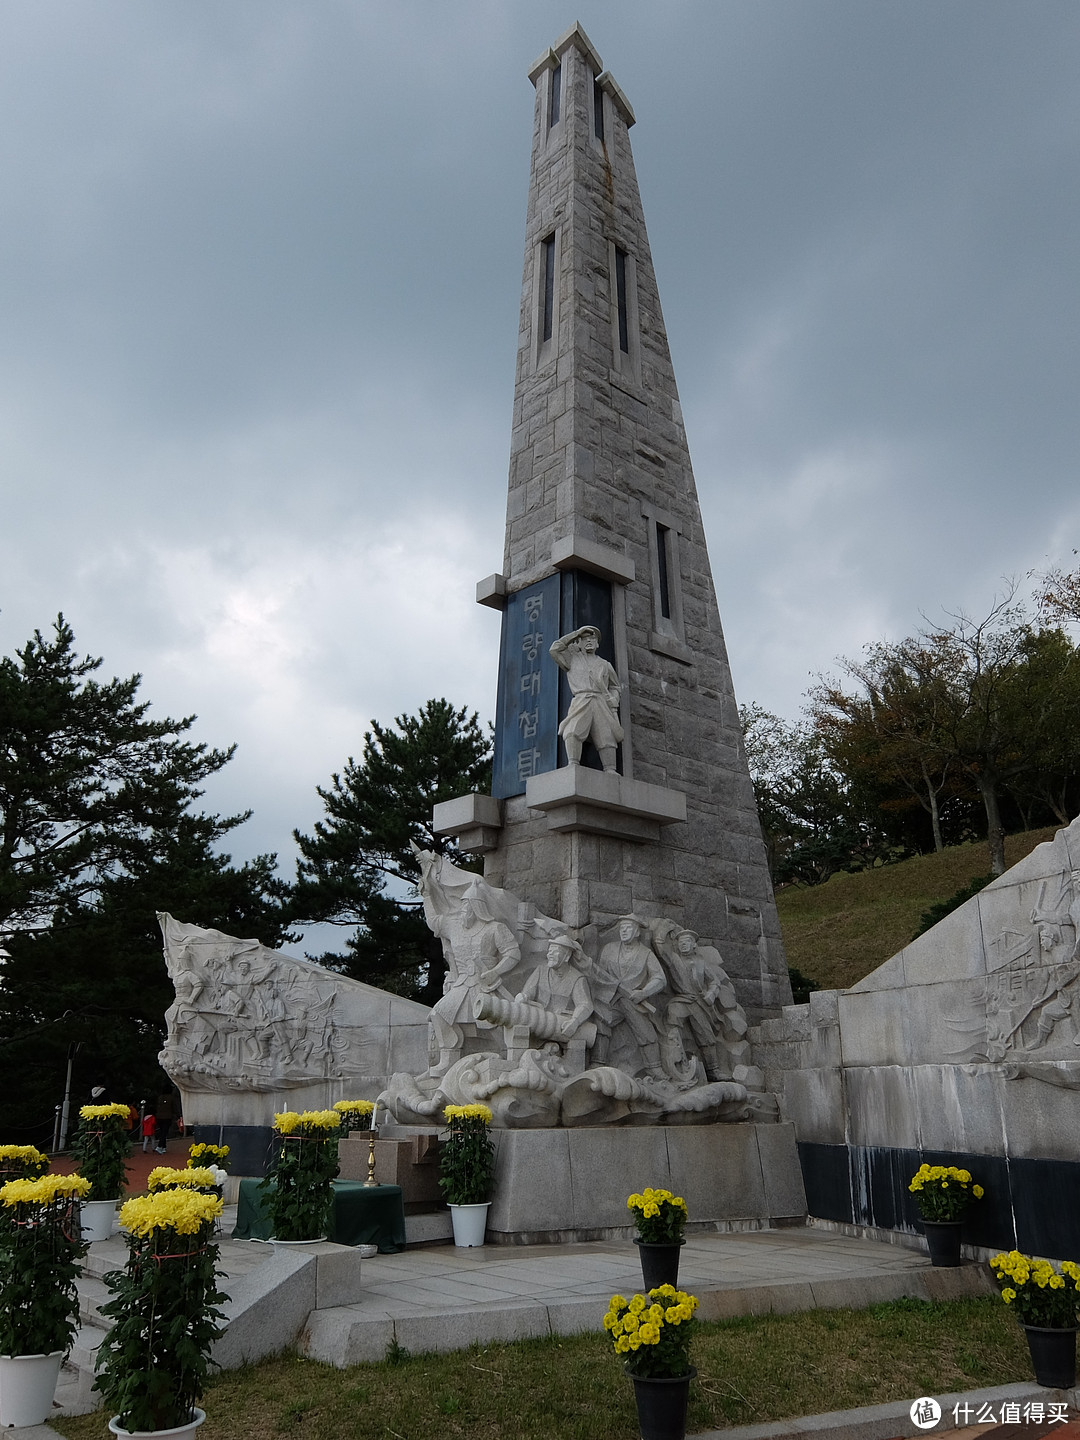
(412, 1163)
(565, 1185)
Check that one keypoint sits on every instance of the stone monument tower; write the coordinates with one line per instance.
(604, 530)
(603, 974)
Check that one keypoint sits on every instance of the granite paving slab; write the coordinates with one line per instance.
(461, 1296)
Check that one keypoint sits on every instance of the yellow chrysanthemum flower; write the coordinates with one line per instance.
(320, 1119)
(622, 1345)
(468, 1112)
(288, 1122)
(103, 1112)
(163, 1177)
(637, 1304)
(214, 1153)
(618, 1302)
(184, 1211)
(44, 1190)
(24, 1153)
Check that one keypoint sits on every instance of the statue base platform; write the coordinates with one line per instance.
(557, 1186)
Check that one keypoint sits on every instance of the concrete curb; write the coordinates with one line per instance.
(888, 1422)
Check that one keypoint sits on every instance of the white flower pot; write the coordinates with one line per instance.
(27, 1386)
(98, 1219)
(177, 1432)
(469, 1222)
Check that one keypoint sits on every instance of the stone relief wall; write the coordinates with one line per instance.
(254, 1030)
(551, 1026)
(966, 1042)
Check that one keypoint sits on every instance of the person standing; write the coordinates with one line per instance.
(164, 1115)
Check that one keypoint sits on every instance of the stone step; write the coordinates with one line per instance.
(83, 1353)
(105, 1255)
(431, 1228)
(75, 1393)
(93, 1293)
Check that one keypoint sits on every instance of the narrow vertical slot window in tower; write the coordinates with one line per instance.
(547, 286)
(622, 306)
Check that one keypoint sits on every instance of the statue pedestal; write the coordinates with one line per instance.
(577, 798)
(554, 1186)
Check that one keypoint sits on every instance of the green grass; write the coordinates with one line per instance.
(756, 1368)
(838, 932)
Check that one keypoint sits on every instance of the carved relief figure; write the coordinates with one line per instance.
(594, 710)
(479, 949)
(560, 988)
(638, 975)
(703, 1007)
(1031, 996)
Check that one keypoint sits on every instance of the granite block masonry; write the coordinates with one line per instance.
(603, 529)
(963, 1049)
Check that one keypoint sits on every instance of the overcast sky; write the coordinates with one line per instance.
(260, 267)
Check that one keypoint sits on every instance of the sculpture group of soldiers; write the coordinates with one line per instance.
(654, 994)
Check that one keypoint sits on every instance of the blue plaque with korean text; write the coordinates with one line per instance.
(527, 712)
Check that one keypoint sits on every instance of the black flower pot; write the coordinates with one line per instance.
(659, 1264)
(943, 1241)
(1053, 1355)
(661, 1405)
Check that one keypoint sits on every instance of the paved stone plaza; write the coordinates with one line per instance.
(443, 1298)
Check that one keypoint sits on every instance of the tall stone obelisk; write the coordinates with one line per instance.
(603, 528)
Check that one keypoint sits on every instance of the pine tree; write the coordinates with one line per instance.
(96, 835)
(359, 869)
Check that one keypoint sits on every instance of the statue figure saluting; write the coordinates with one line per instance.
(594, 710)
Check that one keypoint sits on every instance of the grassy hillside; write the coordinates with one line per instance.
(838, 932)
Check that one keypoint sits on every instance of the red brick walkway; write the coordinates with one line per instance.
(140, 1165)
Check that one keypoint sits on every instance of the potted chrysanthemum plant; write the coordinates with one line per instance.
(40, 1250)
(21, 1162)
(659, 1218)
(101, 1147)
(207, 1178)
(355, 1115)
(1044, 1300)
(299, 1188)
(653, 1333)
(203, 1153)
(153, 1364)
(944, 1194)
(467, 1171)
